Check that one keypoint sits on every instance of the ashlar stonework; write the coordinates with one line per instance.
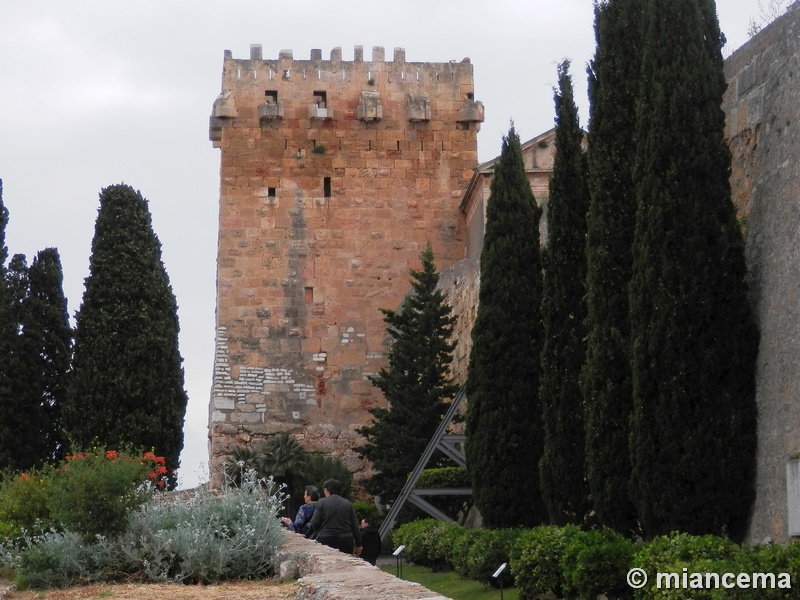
(334, 176)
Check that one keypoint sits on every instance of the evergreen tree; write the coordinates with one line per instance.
(562, 467)
(47, 339)
(503, 422)
(19, 433)
(606, 376)
(8, 332)
(127, 380)
(693, 337)
(416, 383)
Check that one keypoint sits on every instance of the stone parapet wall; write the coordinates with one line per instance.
(327, 574)
(762, 107)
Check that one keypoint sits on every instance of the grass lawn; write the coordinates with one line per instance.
(451, 584)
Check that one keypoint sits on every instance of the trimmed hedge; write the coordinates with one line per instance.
(580, 565)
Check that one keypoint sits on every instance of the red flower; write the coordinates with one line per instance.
(23, 477)
(111, 455)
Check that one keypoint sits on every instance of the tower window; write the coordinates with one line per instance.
(271, 96)
(271, 192)
(326, 187)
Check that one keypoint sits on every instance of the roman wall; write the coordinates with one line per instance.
(762, 106)
(334, 176)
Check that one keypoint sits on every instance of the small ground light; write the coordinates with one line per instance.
(398, 551)
(497, 574)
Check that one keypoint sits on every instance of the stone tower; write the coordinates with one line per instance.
(334, 175)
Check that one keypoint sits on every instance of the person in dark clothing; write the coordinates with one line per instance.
(371, 541)
(335, 520)
(302, 522)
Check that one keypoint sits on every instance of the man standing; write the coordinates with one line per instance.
(335, 520)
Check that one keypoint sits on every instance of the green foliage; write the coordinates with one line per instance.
(127, 385)
(416, 383)
(210, 538)
(321, 467)
(676, 551)
(503, 421)
(368, 510)
(447, 477)
(606, 374)
(23, 503)
(91, 494)
(490, 549)
(537, 560)
(596, 562)
(769, 558)
(561, 467)
(694, 342)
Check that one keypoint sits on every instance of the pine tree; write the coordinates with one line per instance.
(416, 383)
(127, 381)
(562, 467)
(693, 338)
(503, 422)
(606, 376)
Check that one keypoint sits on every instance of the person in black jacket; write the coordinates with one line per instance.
(371, 541)
(335, 520)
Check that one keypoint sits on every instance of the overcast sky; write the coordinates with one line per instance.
(94, 93)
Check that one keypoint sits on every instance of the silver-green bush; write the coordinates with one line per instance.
(209, 538)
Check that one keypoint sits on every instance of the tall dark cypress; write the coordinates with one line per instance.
(416, 383)
(606, 377)
(693, 338)
(8, 332)
(562, 467)
(503, 422)
(48, 339)
(127, 385)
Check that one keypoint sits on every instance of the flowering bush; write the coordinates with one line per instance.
(92, 493)
(89, 493)
(210, 538)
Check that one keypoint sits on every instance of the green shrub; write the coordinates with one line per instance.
(93, 493)
(23, 504)
(771, 558)
(368, 511)
(423, 540)
(460, 552)
(490, 549)
(597, 562)
(211, 538)
(447, 477)
(536, 560)
(676, 551)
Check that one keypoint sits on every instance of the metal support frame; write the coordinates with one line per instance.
(439, 441)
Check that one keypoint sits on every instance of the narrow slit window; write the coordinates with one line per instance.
(326, 187)
(309, 295)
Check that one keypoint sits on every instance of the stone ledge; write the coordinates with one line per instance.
(327, 574)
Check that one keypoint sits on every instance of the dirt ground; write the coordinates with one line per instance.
(246, 590)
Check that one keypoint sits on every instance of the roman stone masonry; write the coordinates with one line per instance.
(334, 175)
(763, 127)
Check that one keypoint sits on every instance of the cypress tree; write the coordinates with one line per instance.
(19, 433)
(562, 467)
(127, 382)
(48, 343)
(606, 377)
(416, 383)
(693, 338)
(8, 329)
(503, 421)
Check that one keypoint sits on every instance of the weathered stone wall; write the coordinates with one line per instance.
(763, 127)
(334, 176)
(327, 574)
